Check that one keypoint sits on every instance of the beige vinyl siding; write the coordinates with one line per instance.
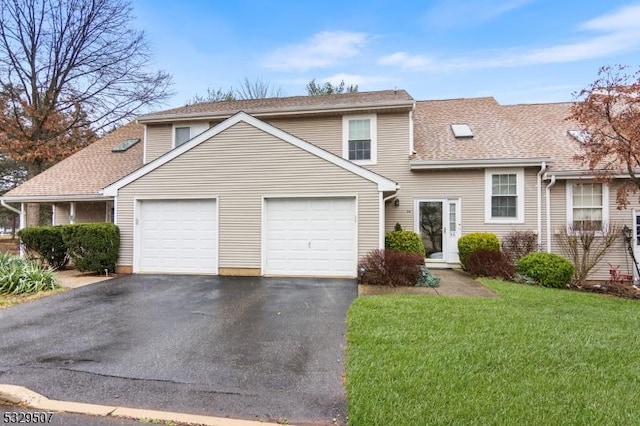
(466, 185)
(239, 166)
(617, 254)
(86, 212)
(325, 132)
(61, 213)
(159, 140)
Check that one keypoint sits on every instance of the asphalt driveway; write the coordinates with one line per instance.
(253, 348)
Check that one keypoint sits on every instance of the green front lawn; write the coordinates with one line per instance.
(531, 356)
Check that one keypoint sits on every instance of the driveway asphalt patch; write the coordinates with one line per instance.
(246, 347)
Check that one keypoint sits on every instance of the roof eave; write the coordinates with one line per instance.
(582, 174)
(476, 163)
(213, 115)
(55, 198)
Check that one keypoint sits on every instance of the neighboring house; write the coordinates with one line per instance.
(306, 186)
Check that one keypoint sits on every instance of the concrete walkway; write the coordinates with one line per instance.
(72, 278)
(453, 282)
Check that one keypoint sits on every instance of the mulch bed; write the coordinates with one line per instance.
(618, 289)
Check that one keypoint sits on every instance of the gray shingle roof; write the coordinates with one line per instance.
(286, 104)
(499, 132)
(87, 171)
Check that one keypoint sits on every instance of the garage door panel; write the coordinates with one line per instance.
(178, 236)
(310, 236)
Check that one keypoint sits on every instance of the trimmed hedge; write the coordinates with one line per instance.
(548, 269)
(469, 243)
(404, 241)
(45, 243)
(93, 247)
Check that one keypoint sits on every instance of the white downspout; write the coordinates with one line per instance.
(72, 212)
(7, 206)
(548, 200)
(543, 167)
(383, 218)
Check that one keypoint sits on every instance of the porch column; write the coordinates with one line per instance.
(22, 223)
(72, 212)
(53, 214)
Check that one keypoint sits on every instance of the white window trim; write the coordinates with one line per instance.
(195, 129)
(519, 172)
(569, 203)
(373, 120)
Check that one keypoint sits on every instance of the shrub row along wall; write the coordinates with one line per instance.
(93, 247)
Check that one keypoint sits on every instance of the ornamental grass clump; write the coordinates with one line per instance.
(18, 276)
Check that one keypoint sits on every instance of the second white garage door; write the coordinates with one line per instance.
(310, 237)
(178, 236)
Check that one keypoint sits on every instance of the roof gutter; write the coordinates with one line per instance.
(56, 198)
(215, 115)
(476, 163)
(4, 204)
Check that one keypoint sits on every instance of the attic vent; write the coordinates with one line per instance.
(125, 145)
(579, 135)
(461, 131)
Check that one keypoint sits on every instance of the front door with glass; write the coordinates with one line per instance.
(438, 224)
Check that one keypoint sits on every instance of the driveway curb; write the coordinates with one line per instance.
(25, 397)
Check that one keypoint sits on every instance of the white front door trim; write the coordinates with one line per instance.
(449, 239)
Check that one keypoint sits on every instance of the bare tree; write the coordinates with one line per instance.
(585, 247)
(68, 70)
(213, 95)
(257, 89)
(315, 89)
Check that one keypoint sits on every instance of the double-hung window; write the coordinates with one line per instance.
(587, 206)
(504, 196)
(183, 132)
(359, 135)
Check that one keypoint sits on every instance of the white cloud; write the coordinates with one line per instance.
(609, 34)
(322, 50)
(406, 61)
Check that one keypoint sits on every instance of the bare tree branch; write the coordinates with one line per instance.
(68, 70)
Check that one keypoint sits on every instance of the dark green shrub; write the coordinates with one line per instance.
(548, 269)
(398, 227)
(45, 243)
(392, 268)
(490, 263)
(469, 243)
(93, 247)
(404, 241)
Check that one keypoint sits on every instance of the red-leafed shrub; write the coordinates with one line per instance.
(517, 244)
(392, 268)
(490, 263)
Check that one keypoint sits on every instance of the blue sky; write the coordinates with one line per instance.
(519, 51)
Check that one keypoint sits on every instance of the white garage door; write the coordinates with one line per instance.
(311, 237)
(178, 236)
